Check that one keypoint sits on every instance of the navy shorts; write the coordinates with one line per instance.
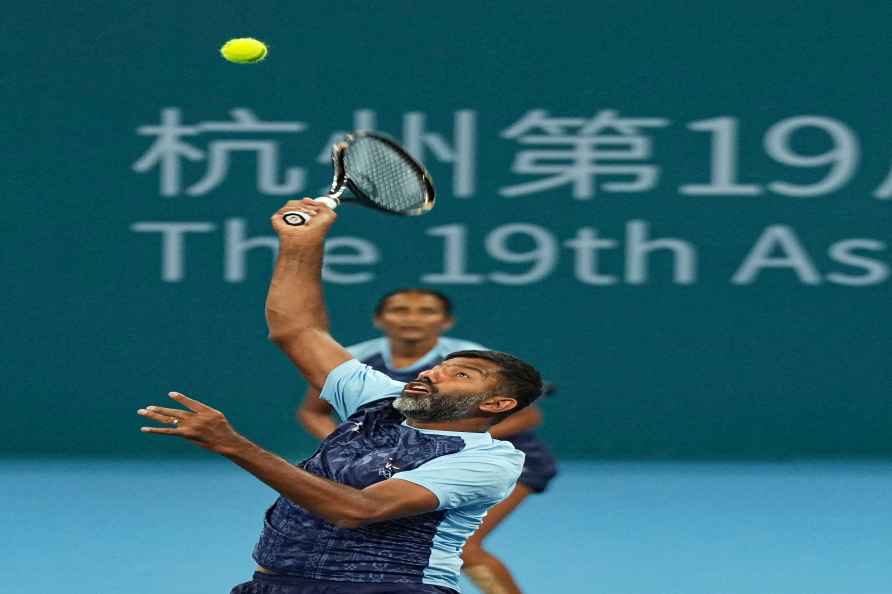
(285, 584)
(540, 465)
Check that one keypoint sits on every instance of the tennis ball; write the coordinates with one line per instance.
(244, 50)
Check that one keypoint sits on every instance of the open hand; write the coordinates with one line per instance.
(200, 424)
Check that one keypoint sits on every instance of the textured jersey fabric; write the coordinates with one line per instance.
(468, 473)
(540, 466)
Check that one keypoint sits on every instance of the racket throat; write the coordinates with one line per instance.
(331, 201)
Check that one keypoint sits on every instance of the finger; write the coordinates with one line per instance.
(281, 226)
(161, 430)
(326, 214)
(321, 214)
(308, 206)
(170, 412)
(310, 212)
(150, 414)
(295, 204)
(190, 403)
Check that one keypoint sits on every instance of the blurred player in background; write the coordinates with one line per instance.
(413, 322)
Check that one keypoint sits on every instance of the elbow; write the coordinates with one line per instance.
(283, 336)
(283, 327)
(274, 338)
(352, 520)
(275, 334)
(348, 523)
(279, 336)
(360, 513)
(536, 417)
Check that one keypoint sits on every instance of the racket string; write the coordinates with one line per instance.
(384, 176)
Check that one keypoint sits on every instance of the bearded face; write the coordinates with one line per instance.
(421, 401)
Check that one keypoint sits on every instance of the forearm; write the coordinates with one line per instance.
(294, 301)
(314, 414)
(296, 316)
(336, 503)
(339, 504)
(320, 424)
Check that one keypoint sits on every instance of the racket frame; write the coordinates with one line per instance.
(341, 180)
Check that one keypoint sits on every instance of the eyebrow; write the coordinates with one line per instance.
(466, 366)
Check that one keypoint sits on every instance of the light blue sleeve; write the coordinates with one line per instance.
(470, 477)
(352, 384)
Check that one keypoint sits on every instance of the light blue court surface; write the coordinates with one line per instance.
(89, 527)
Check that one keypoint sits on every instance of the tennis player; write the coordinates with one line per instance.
(413, 321)
(387, 501)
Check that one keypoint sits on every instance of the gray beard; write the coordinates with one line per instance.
(439, 407)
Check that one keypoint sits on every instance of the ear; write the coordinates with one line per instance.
(498, 404)
(447, 324)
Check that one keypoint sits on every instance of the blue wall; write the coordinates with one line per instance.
(563, 141)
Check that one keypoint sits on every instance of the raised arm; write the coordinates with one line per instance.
(295, 308)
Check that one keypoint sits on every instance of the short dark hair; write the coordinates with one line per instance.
(382, 302)
(519, 379)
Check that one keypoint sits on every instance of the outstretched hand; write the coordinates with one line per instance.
(311, 233)
(200, 424)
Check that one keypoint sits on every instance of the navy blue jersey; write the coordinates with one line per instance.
(467, 472)
(540, 465)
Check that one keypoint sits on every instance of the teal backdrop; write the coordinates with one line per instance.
(679, 211)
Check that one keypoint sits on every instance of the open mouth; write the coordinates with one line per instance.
(417, 388)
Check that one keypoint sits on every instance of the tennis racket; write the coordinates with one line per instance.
(378, 173)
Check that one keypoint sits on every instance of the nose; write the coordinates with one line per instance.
(431, 375)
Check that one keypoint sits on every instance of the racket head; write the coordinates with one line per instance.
(382, 174)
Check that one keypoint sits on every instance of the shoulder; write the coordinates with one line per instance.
(352, 384)
(496, 456)
(481, 474)
(503, 452)
(367, 348)
(354, 372)
(450, 345)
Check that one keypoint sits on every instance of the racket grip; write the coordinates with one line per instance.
(296, 218)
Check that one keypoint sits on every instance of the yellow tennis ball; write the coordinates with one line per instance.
(244, 50)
